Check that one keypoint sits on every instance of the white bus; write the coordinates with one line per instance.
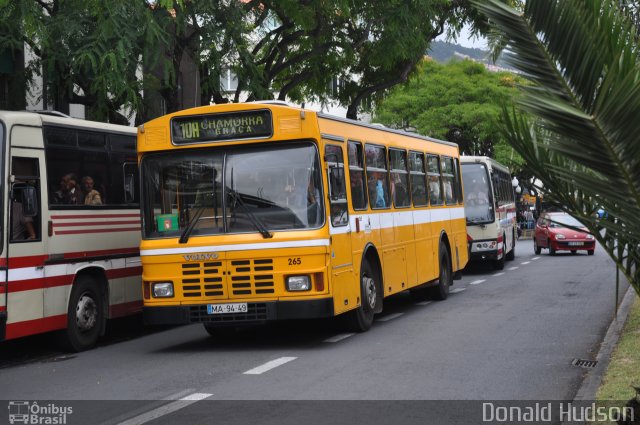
(69, 255)
(490, 210)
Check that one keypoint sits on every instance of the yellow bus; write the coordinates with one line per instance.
(263, 211)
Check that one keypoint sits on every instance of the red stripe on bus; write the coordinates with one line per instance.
(128, 272)
(77, 232)
(41, 283)
(51, 282)
(125, 309)
(94, 223)
(36, 326)
(75, 216)
(38, 260)
(3, 308)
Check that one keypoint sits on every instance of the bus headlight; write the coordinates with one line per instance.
(590, 237)
(560, 236)
(298, 283)
(162, 289)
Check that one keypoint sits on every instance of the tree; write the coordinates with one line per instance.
(460, 102)
(88, 52)
(583, 59)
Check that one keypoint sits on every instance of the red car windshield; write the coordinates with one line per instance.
(564, 221)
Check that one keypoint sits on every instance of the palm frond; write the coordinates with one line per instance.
(580, 137)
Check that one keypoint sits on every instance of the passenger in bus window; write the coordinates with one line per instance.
(60, 195)
(313, 204)
(434, 190)
(380, 201)
(74, 193)
(21, 227)
(92, 196)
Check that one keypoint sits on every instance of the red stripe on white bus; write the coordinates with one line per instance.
(51, 282)
(128, 272)
(74, 216)
(95, 223)
(38, 260)
(3, 308)
(77, 232)
(31, 327)
(42, 283)
(125, 309)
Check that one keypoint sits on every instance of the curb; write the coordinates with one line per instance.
(591, 382)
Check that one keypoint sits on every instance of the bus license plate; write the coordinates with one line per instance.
(227, 308)
(576, 243)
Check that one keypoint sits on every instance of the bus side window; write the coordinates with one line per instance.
(377, 176)
(337, 190)
(448, 180)
(418, 179)
(25, 205)
(458, 181)
(435, 184)
(356, 177)
(399, 178)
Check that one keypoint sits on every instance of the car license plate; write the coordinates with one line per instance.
(227, 308)
(576, 243)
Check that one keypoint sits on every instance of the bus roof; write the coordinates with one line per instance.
(468, 159)
(38, 119)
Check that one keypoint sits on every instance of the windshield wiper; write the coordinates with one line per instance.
(260, 227)
(184, 237)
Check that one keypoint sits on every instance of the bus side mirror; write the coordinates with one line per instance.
(29, 201)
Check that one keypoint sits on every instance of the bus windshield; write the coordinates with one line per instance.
(478, 204)
(231, 190)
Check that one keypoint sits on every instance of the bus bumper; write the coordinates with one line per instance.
(257, 313)
(483, 255)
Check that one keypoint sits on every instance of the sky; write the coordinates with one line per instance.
(465, 40)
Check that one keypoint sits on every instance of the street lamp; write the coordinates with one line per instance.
(515, 182)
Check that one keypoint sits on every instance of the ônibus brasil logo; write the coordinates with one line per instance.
(31, 413)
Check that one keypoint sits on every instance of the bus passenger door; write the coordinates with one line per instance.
(345, 288)
(26, 244)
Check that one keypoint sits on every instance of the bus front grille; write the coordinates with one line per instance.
(251, 277)
(245, 278)
(202, 280)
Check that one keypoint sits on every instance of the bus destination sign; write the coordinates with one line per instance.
(223, 126)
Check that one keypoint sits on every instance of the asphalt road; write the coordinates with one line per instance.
(509, 335)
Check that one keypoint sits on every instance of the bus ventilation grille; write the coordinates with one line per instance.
(252, 277)
(246, 278)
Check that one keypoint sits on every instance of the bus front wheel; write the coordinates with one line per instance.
(361, 318)
(85, 315)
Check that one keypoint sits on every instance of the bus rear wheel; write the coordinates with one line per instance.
(361, 318)
(85, 315)
(440, 292)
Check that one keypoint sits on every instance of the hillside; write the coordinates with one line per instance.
(443, 52)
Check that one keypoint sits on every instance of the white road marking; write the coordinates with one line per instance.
(513, 268)
(455, 291)
(478, 282)
(339, 337)
(166, 409)
(424, 303)
(535, 258)
(498, 274)
(269, 365)
(526, 262)
(389, 317)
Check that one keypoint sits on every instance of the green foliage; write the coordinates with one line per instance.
(583, 144)
(460, 102)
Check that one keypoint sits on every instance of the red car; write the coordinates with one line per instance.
(556, 231)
